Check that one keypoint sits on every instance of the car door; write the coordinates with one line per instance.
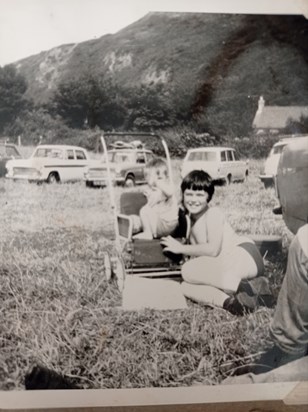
(232, 169)
(140, 165)
(68, 171)
(239, 166)
(81, 162)
(224, 165)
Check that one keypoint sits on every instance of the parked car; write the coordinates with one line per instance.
(127, 164)
(218, 162)
(291, 183)
(50, 163)
(8, 151)
(271, 164)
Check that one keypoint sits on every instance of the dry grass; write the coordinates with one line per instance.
(58, 310)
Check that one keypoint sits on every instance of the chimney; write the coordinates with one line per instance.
(261, 104)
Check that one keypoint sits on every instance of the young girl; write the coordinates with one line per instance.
(220, 258)
(159, 217)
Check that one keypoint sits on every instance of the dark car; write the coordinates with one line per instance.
(8, 151)
(127, 165)
(292, 183)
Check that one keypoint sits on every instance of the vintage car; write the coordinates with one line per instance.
(269, 172)
(50, 163)
(291, 183)
(218, 162)
(127, 164)
(8, 151)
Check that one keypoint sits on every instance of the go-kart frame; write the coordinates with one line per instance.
(281, 396)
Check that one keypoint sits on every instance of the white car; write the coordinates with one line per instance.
(50, 163)
(271, 163)
(218, 162)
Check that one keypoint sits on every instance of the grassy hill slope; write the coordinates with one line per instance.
(219, 64)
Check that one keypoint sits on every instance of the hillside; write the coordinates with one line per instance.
(220, 64)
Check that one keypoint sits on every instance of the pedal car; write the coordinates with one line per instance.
(138, 257)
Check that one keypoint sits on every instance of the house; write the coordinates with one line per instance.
(274, 119)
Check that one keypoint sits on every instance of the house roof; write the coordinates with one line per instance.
(276, 117)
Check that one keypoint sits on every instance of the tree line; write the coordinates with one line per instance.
(90, 103)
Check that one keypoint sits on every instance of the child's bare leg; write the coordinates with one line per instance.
(149, 223)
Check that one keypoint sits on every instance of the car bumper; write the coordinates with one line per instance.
(25, 177)
(104, 182)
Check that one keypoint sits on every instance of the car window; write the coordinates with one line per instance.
(223, 156)
(8, 151)
(49, 152)
(229, 155)
(70, 154)
(149, 156)
(195, 157)
(209, 156)
(140, 158)
(120, 157)
(80, 155)
(202, 156)
(278, 149)
(235, 156)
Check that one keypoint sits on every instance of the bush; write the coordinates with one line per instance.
(253, 147)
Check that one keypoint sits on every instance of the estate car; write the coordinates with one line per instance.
(50, 163)
(291, 183)
(269, 172)
(126, 165)
(218, 162)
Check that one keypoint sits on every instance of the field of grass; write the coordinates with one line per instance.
(58, 310)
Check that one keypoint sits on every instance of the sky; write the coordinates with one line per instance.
(28, 27)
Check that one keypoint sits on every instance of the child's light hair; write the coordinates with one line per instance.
(155, 164)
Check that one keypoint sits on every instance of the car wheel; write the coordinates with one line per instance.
(246, 176)
(129, 182)
(229, 179)
(53, 178)
(89, 184)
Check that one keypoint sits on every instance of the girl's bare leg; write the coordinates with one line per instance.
(204, 294)
(149, 223)
(223, 272)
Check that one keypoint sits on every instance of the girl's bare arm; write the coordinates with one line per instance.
(165, 187)
(210, 246)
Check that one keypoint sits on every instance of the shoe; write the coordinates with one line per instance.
(233, 306)
(258, 288)
(271, 359)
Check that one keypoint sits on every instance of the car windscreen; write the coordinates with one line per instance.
(202, 157)
(49, 152)
(8, 151)
(278, 149)
(121, 157)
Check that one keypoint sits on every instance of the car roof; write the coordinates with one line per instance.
(211, 148)
(129, 150)
(7, 144)
(59, 146)
(286, 140)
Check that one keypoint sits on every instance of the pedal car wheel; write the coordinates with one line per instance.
(107, 266)
(119, 270)
(129, 182)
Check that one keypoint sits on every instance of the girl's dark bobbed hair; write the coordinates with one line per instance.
(200, 180)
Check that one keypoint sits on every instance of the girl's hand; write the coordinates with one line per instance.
(171, 245)
(154, 197)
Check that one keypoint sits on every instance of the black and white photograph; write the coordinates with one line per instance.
(153, 195)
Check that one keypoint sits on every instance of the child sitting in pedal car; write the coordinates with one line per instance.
(159, 216)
